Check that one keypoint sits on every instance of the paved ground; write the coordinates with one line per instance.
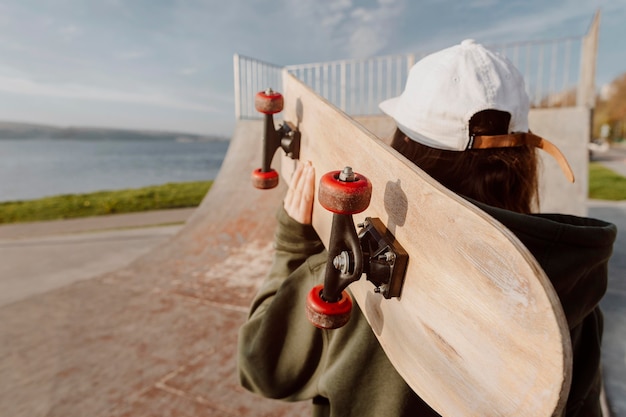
(614, 308)
(157, 337)
(93, 224)
(40, 257)
(615, 159)
(614, 303)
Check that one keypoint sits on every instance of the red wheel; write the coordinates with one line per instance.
(264, 180)
(344, 197)
(268, 102)
(325, 315)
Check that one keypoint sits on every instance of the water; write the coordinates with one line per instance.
(33, 168)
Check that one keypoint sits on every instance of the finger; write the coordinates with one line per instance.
(308, 194)
(299, 202)
(295, 180)
(297, 174)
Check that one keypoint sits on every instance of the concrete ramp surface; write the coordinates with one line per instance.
(157, 338)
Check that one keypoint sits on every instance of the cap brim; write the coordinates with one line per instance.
(392, 108)
(389, 106)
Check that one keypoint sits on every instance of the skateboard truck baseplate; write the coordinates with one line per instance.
(379, 256)
(386, 260)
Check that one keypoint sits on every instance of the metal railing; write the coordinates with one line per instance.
(252, 76)
(557, 72)
(551, 69)
(357, 86)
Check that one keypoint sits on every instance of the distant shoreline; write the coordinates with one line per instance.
(19, 130)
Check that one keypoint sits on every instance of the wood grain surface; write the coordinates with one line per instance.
(478, 329)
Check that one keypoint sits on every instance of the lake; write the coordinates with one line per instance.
(33, 168)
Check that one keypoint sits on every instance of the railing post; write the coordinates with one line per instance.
(342, 86)
(539, 79)
(410, 61)
(250, 76)
(237, 79)
(586, 94)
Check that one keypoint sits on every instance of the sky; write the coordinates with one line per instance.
(168, 64)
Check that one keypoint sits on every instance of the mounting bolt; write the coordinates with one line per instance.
(347, 175)
(342, 262)
(387, 256)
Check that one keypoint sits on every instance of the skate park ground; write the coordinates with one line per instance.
(136, 315)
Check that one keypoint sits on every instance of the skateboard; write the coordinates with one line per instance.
(463, 311)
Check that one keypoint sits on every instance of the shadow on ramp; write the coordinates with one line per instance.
(158, 337)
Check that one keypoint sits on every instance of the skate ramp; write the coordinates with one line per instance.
(158, 337)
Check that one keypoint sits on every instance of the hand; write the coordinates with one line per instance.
(299, 199)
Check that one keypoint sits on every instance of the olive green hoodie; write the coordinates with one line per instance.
(345, 371)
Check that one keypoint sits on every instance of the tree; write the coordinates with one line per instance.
(611, 109)
(616, 104)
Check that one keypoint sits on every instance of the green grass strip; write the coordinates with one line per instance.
(167, 196)
(605, 184)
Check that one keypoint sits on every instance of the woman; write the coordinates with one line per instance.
(463, 118)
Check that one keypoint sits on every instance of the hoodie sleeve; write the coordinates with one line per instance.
(278, 350)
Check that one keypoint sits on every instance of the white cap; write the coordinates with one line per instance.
(445, 89)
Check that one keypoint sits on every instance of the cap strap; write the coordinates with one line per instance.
(520, 139)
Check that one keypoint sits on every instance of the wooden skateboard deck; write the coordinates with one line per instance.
(478, 329)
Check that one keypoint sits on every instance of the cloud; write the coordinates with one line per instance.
(370, 29)
(354, 31)
(481, 4)
(509, 23)
(25, 86)
(70, 32)
(188, 71)
(131, 54)
(533, 24)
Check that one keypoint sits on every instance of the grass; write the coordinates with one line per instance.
(167, 196)
(605, 184)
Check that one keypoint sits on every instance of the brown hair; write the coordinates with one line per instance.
(500, 177)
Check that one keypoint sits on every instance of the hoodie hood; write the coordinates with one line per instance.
(573, 251)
